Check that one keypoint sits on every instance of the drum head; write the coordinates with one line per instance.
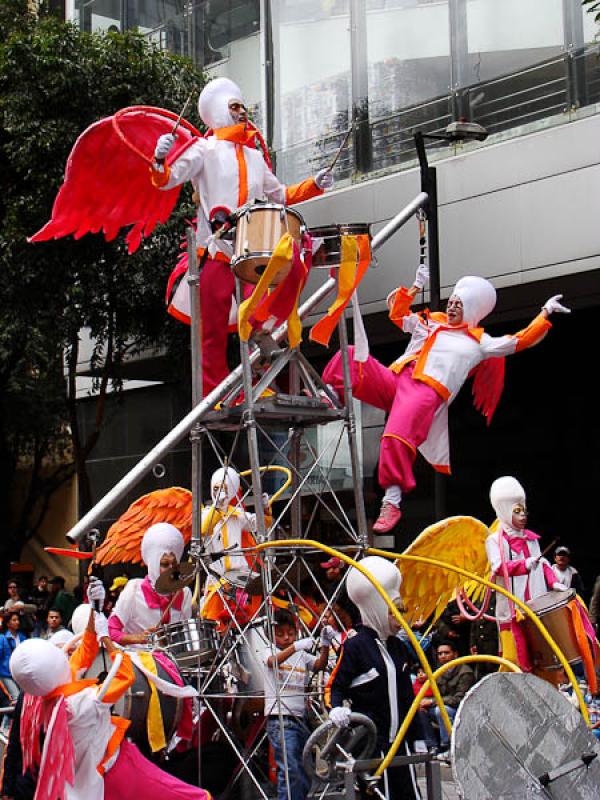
(512, 729)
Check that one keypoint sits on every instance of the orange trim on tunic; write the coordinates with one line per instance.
(327, 691)
(400, 439)
(242, 174)
(298, 192)
(401, 306)
(160, 178)
(533, 333)
(121, 726)
(123, 680)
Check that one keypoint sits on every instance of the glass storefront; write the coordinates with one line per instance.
(310, 69)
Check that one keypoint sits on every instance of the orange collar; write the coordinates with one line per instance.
(68, 689)
(241, 133)
(442, 319)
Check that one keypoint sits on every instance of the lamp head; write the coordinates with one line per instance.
(462, 131)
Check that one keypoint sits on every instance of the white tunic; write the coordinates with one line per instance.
(133, 611)
(212, 167)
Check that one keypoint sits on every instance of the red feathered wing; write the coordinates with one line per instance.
(107, 182)
(488, 383)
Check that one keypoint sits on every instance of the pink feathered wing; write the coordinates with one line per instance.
(107, 182)
(32, 716)
(488, 384)
(58, 757)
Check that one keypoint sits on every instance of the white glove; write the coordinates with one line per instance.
(303, 644)
(559, 587)
(531, 562)
(421, 276)
(340, 716)
(327, 636)
(96, 591)
(164, 145)
(552, 306)
(265, 501)
(324, 179)
(101, 626)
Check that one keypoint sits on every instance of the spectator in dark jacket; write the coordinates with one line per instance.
(453, 686)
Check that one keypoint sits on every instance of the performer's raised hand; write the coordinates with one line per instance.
(531, 562)
(164, 145)
(340, 716)
(553, 306)
(96, 592)
(327, 636)
(421, 276)
(324, 178)
(559, 587)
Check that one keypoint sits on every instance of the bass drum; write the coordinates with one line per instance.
(248, 669)
(134, 704)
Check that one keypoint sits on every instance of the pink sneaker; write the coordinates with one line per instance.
(389, 516)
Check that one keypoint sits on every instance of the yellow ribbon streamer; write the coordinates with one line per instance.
(154, 721)
(281, 257)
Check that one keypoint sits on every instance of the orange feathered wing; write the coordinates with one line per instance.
(107, 183)
(124, 538)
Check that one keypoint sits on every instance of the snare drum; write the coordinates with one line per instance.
(258, 231)
(329, 252)
(133, 705)
(190, 642)
(551, 608)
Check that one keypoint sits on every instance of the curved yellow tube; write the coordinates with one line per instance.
(523, 607)
(415, 706)
(412, 638)
(274, 468)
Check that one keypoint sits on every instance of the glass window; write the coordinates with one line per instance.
(408, 55)
(508, 36)
(311, 42)
(227, 43)
(408, 46)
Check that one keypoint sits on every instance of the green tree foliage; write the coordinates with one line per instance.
(592, 7)
(55, 81)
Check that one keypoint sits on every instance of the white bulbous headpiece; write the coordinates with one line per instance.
(505, 493)
(80, 618)
(224, 486)
(158, 540)
(373, 608)
(61, 638)
(39, 667)
(213, 103)
(478, 297)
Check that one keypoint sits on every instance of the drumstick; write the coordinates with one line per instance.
(168, 608)
(554, 541)
(340, 148)
(180, 117)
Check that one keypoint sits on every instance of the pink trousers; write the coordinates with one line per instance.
(133, 777)
(410, 404)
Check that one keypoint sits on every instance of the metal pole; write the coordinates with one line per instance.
(195, 434)
(429, 187)
(249, 422)
(359, 500)
(183, 427)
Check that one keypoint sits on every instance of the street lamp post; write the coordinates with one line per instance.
(455, 132)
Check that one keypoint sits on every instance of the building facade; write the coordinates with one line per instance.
(519, 209)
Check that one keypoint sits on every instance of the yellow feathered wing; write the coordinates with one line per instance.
(457, 541)
(124, 538)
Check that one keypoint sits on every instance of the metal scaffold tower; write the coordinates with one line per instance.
(261, 423)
